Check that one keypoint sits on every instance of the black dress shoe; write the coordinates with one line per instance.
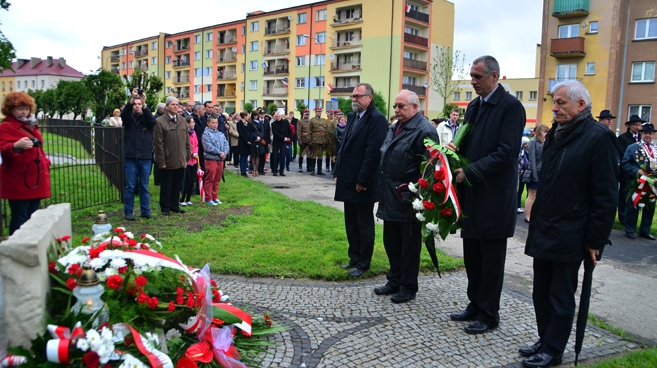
(275, 174)
(402, 297)
(283, 174)
(166, 213)
(178, 210)
(478, 328)
(386, 290)
(130, 217)
(348, 265)
(630, 235)
(531, 350)
(542, 360)
(647, 236)
(463, 316)
(300, 169)
(148, 217)
(356, 272)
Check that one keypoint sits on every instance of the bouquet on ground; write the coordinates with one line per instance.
(642, 189)
(155, 311)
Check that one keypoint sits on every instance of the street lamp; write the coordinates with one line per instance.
(319, 93)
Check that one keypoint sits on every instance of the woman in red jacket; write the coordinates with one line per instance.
(24, 173)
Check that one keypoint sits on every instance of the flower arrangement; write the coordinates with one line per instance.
(642, 189)
(157, 311)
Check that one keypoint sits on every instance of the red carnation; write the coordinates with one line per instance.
(86, 239)
(213, 283)
(71, 284)
(439, 188)
(267, 320)
(439, 174)
(143, 236)
(91, 360)
(52, 267)
(114, 282)
(141, 281)
(423, 183)
(131, 242)
(142, 298)
(123, 269)
(122, 236)
(446, 212)
(180, 300)
(171, 307)
(190, 300)
(179, 291)
(65, 238)
(73, 269)
(143, 246)
(118, 230)
(429, 205)
(152, 303)
(217, 295)
(95, 252)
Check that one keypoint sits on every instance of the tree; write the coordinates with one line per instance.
(37, 96)
(447, 70)
(344, 104)
(7, 50)
(75, 96)
(48, 102)
(380, 103)
(272, 108)
(151, 84)
(107, 92)
(301, 107)
(248, 107)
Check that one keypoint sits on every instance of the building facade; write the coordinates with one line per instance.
(309, 54)
(608, 45)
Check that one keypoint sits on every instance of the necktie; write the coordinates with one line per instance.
(649, 149)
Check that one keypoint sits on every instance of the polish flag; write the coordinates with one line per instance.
(329, 87)
(408, 8)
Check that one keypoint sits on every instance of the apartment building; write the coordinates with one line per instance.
(310, 54)
(608, 45)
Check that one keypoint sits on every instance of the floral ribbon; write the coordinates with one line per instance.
(450, 191)
(156, 358)
(12, 361)
(223, 349)
(640, 190)
(57, 348)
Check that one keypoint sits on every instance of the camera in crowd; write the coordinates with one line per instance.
(140, 91)
(36, 142)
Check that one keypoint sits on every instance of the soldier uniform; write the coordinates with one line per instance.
(303, 137)
(318, 128)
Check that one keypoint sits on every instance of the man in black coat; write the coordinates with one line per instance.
(488, 201)
(631, 136)
(402, 154)
(571, 218)
(282, 133)
(356, 176)
(199, 128)
(295, 146)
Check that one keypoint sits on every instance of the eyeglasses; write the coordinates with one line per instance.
(400, 106)
(358, 97)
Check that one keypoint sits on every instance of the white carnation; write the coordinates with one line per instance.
(137, 270)
(130, 361)
(172, 334)
(412, 187)
(642, 205)
(149, 237)
(109, 271)
(417, 205)
(94, 340)
(117, 263)
(420, 216)
(97, 263)
(82, 345)
(129, 235)
(432, 227)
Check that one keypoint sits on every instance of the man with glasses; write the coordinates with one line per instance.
(356, 176)
(486, 191)
(402, 154)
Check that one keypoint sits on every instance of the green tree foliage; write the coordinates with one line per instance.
(75, 96)
(248, 107)
(7, 50)
(152, 85)
(48, 98)
(344, 104)
(300, 107)
(447, 69)
(380, 103)
(107, 91)
(37, 96)
(272, 108)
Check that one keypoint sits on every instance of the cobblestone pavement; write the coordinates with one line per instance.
(347, 325)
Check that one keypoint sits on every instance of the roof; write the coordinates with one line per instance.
(42, 68)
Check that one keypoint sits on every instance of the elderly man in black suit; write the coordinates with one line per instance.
(488, 202)
(631, 136)
(356, 176)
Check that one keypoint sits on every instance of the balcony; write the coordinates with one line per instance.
(570, 8)
(277, 50)
(226, 76)
(228, 94)
(180, 63)
(275, 91)
(355, 42)
(276, 30)
(421, 91)
(345, 67)
(415, 64)
(184, 79)
(226, 58)
(414, 14)
(553, 82)
(226, 40)
(180, 46)
(567, 47)
(182, 94)
(345, 21)
(116, 71)
(278, 70)
(342, 90)
(141, 53)
(416, 40)
(115, 58)
(347, 16)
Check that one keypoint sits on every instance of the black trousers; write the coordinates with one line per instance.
(188, 182)
(261, 164)
(172, 180)
(234, 156)
(277, 159)
(555, 284)
(294, 146)
(484, 265)
(359, 223)
(622, 199)
(403, 243)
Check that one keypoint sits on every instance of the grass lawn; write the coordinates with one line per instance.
(636, 359)
(255, 232)
(54, 143)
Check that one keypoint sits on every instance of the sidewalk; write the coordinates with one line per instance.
(345, 324)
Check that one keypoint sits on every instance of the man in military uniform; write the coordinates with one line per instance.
(330, 145)
(318, 127)
(303, 137)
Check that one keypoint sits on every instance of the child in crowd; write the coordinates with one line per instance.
(216, 149)
(192, 166)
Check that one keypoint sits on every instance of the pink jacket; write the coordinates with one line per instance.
(193, 141)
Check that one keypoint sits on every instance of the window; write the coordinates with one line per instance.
(301, 18)
(255, 26)
(253, 65)
(320, 59)
(197, 39)
(411, 30)
(409, 80)
(153, 60)
(153, 74)
(132, 49)
(590, 68)
(254, 46)
(167, 75)
(243, 67)
(321, 15)
(11, 87)
(413, 7)
(300, 83)
(42, 83)
(168, 90)
(197, 72)
(411, 55)
(532, 95)
(565, 72)
(243, 30)
(131, 64)
(593, 27)
(123, 51)
(169, 44)
(457, 96)
(208, 37)
(301, 40)
(208, 54)
(207, 71)
(645, 28)
(253, 103)
(468, 96)
(569, 31)
(253, 85)
(320, 37)
(319, 103)
(208, 88)
(3, 86)
(301, 61)
(123, 65)
(18, 85)
(519, 95)
(197, 55)
(643, 71)
(319, 81)
(642, 110)
(153, 45)
(242, 86)
(168, 59)
(197, 88)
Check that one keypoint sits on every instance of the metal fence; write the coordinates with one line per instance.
(86, 165)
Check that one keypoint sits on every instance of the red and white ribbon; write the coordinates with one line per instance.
(450, 191)
(57, 349)
(156, 358)
(12, 361)
(636, 196)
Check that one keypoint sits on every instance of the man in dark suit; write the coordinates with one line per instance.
(293, 121)
(356, 176)
(488, 202)
(631, 136)
(282, 133)
(199, 127)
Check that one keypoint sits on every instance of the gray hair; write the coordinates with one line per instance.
(159, 106)
(490, 62)
(368, 88)
(411, 97)
(575, 90)
(170, 99)
(199, 106)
